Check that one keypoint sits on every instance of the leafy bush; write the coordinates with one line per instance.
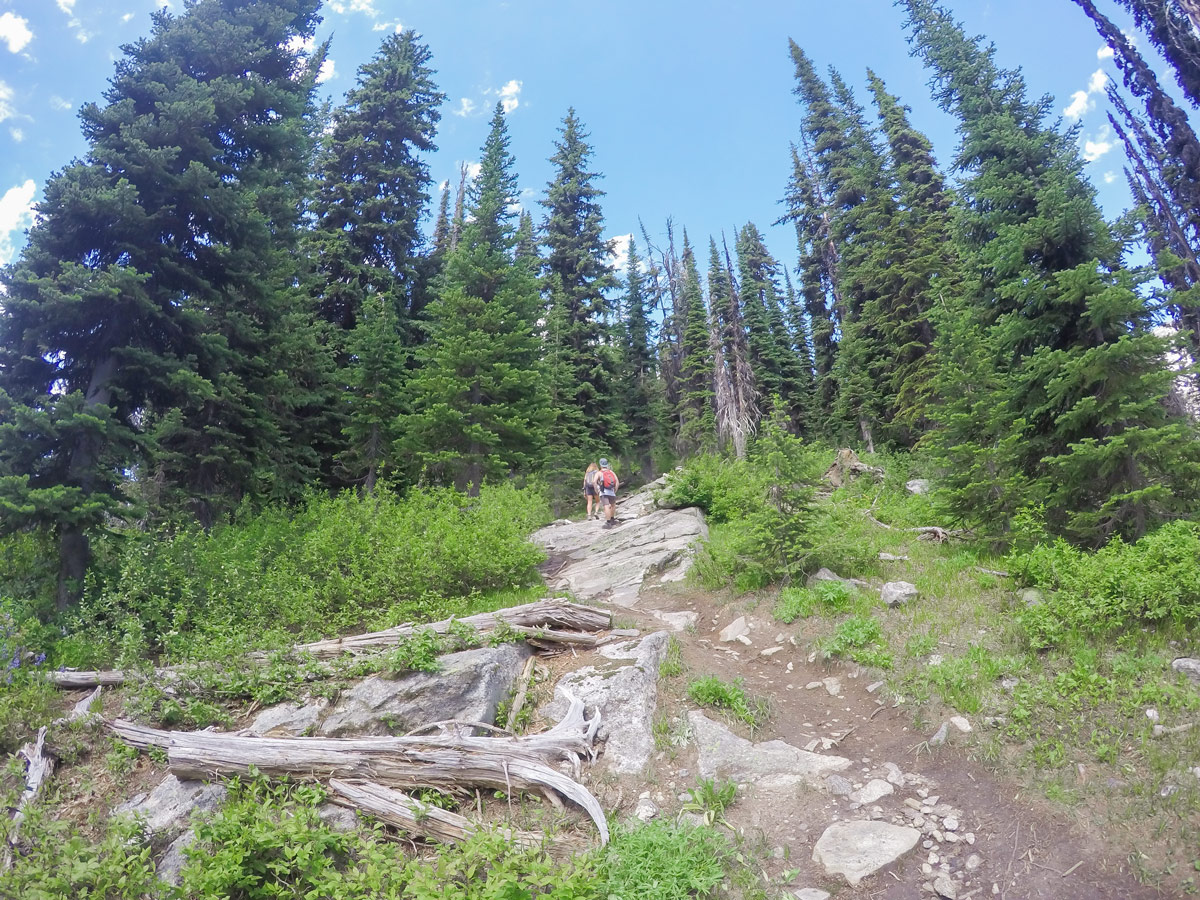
(861, 639)
(27, 699)
(663, 861)
(710, 799)
(731, 696)
(761, 507)
(333, 565)
(1120, 586)
(800, 603)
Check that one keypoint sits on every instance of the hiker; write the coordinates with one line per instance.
(591, 488)
(608, 483)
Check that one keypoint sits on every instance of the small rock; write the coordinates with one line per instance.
(974, 861)
(926, 869)
(1031, 597)
(741, 638)
(677, 621)
(820, 575)
(875, 789)
(646, 810)
(734, 630)
(1008, 682)
(917, 486)
(912, 803)
(894, 774)
(811, 894)
(874, 686)
(1152, 714)
(970, 837)
(789, 668)
(812, 685)
(895, 593)
(935, 659)
(944, 887)
(838, 786)
(891, 557)
(856, 849)
(833, 686)
(950, 823)
(770, 651)
(940, 735)
(961, 723)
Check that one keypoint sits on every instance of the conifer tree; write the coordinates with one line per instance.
(1058, 395)
(736, 395)
(696, 415)
(1174, 36)
(153, 289)
(441, 227)
(639, 400)
(479, 404)
(577, 275)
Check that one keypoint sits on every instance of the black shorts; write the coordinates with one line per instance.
(589, 490)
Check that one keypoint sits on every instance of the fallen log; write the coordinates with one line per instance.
(417, 818)
(545, 623)
(39, 766)
(556, 616)
(444, 762)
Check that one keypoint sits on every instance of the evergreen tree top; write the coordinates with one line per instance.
(492, 196)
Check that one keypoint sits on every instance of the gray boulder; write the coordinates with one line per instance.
(770, 765)
(857, 849)
(624, 690)
(1189, 666)
(469, 687)
(168, 807)
(896, 593)
(917, 486)
(289, 719)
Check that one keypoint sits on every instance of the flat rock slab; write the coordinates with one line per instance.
(677, 621)
(857, 849)
(625, 691)
(897, 593)
(168, 806)
(770, 765)
(469, 686)
(289, 719)
(612, 563)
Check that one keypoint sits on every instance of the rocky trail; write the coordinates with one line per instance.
(837, 790)
(838, 795)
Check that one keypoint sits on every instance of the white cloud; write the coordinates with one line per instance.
(15, 32)
(67, 6)
(57, 102)
(1080, 103)
(16, 214)
(466, 106)
(1105, 52)
(341, 7)
(510, 95)
(473, 170)
(1110, 177)
(16, 134)
(7, 110)
(384, 26)
(1098, 82)
(1094, 148)
(298, 44)
(327, 71)
(126, 17)
(618, 251)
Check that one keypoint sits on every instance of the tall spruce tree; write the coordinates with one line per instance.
(695, 413)
(479, 403)
(577, 274)
(1174, 36)
(150, 298)
(1059, 396)
(639, 397)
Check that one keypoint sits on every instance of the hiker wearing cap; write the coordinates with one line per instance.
(591, 488)
(608, 483)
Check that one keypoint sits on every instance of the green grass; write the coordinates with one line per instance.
(710, 798)
(672, 664)
(729, 697)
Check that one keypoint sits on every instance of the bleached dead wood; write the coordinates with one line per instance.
(39, 766)
(556, 617)
(546, 623)
(420, 819)
(445, 762)
(518, 701)
(933, 533)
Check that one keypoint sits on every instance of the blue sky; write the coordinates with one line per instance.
(688, 102)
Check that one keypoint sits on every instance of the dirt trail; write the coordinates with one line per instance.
(982, 835)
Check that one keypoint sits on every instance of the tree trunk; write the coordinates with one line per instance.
(1192, 9)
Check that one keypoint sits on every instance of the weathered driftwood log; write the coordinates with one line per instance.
(847, 466)
(444, 762)
(558, 617)
(545, 623)
(417, 818)
(39, 766)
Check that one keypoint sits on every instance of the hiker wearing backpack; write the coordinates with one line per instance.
(591, 488)
(609, 483)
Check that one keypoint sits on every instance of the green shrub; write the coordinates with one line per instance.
(27, 699)
(731, 696)
(333, 565)
(663, 861)
(830, 597)
(1121, 586)
(861, 639)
